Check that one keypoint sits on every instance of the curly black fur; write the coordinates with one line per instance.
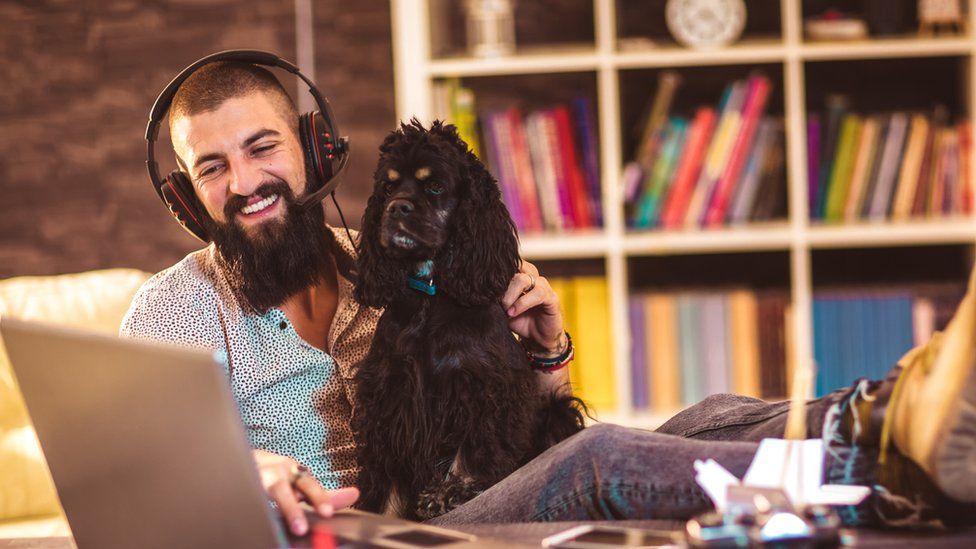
(447, 403)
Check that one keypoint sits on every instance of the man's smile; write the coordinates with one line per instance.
(259, 207)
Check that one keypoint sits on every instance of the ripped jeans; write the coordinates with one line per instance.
(610, 472)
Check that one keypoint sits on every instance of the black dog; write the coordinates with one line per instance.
(447, 402)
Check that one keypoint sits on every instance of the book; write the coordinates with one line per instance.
(771, 200)
(656, 120)
(840, 178)
(748, 188)
(639, 363)
(930, 163)
(686, 174)
(715, 348)
(754, 104)
(910, 168)
(866, 152)
(544, 170)
(718, 152)
(665, 359)
(649, 207)
(689, 321)
(571, 168)
(813, 160)
(593, 342)
(743, 332)
(589, 156)
(890, 162)
(836, 109)
(525, 184)
(498, 146)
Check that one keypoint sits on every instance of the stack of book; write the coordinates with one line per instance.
(863, 333)
(546, 162)
(724, 166)
(896, 166)
(688, 345)
(586, 312)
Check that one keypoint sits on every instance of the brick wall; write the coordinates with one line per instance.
(78, 78)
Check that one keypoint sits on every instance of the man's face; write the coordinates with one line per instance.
(247, 167)
(234, 151)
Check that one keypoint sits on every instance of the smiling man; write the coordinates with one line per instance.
(272, 297)
(272, 294)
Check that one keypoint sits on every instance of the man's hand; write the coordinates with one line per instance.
(288, 484)
(533, 310)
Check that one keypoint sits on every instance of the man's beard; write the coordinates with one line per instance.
(279, 257)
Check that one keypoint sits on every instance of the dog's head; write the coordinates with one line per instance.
(433, 199)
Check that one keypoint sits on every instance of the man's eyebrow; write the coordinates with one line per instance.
(257, 136)
(260, 134)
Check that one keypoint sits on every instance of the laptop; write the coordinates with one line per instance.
(147, 449)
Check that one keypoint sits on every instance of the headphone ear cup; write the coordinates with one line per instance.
(177, 192)
(320, 147)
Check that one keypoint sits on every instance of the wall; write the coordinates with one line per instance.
(78, 79)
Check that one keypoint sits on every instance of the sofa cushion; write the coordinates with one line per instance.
(95, 300)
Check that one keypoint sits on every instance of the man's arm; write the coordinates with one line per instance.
(174, 308)
(534, 314)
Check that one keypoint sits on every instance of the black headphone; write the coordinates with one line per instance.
(326, 154)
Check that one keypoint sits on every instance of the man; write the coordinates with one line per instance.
(272, 297)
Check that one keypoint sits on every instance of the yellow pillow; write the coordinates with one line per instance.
(94, 300)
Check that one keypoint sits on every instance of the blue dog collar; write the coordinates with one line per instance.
(423, 280)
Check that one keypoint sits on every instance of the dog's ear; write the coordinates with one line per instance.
(481, 255)
(379, 279)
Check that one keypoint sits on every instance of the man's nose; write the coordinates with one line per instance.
(399, 207)
(244, 179)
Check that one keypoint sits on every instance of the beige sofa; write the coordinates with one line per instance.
(95, 300)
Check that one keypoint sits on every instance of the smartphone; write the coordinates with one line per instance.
(590, 536)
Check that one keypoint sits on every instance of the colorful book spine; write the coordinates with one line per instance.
(910, 168)
(571, 169)
(890, 162)
(689, 167)
(757, 95)
(649, 207)
(718, 153)
(843, 167)
(745, 195)
(590, 156)
(525, 184)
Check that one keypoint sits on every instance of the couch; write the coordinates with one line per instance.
(95, 300)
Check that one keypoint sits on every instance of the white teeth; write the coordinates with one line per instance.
(258, 206)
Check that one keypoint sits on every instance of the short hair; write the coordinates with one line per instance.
(207, 89)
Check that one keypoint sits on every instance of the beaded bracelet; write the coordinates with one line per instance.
(550, 365)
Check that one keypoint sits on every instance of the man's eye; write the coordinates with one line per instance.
(208, 171)
(434, 188)
(263, 149)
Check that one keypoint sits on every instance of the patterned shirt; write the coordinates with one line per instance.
(294, 399)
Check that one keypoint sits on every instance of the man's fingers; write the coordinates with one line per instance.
(525, 302)
(344, 497)
(291, 511)
(516, 286)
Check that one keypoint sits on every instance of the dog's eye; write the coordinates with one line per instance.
(434, 188)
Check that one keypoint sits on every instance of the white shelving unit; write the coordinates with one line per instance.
(416, 71)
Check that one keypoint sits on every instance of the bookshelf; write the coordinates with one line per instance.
(798, 238)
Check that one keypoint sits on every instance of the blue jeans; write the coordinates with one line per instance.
(608, 472)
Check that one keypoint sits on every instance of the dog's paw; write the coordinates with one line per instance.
(445, 497)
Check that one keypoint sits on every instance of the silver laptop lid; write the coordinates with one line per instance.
(144, 441)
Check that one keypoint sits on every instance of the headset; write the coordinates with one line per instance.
(326, 154)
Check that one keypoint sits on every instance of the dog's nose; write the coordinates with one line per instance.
(399, 207)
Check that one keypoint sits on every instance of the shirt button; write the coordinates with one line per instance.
(283, 325)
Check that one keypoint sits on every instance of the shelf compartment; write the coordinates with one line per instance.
(537, 24)
(646, 19)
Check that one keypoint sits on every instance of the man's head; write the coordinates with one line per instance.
(235, 133)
